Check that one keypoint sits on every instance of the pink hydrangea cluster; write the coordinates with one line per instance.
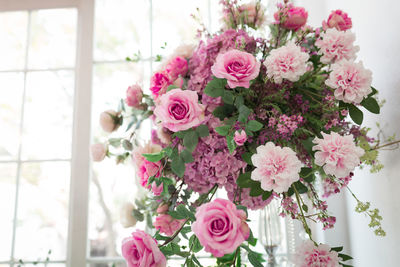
(289, 207)
(336, 45)
(337, 154)
(331, 186)
(310, 255)
(243, 194)
(351, 81)
(167, 225)
(286, 62)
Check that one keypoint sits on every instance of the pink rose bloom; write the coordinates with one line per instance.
(337, 154)
(134, 96)
(110, 121)
(286, 62)
(98, 151)
(339, 20)
(167, 225)
(141, 250)
(336, 45)
(351, 81)
(177, 67)
(147, 170)
(309, 255)
(293, 17)
(220, 227)
(137, 157)
(238, 67)
(179, 110)
(157, 189)
(240, 138)
(163, 208)
(159, 83)
(276, 168)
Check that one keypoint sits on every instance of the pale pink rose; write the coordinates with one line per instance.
(291, 17)
(339, 20)
(147, 170)
(126, 216)
(110, 120)
(164, 135)
(137, 153)
(253, 13)
(157, 189)
(177, 67)
(286, 62)
(351, 81)
(238, 67)
(141, 250)
(240, 137)
(167, 225)
(220, 227)
(309, 255)
(163, 208)
(98, 151)
(179, 110)
(159, 83)
(337, 154)
(276, 168)
(336, 45)
(134, 95)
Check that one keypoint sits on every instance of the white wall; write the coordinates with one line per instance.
(377, 27)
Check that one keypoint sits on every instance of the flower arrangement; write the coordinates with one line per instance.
(262, 118)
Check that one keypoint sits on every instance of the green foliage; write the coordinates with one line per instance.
(254, 126)
(373, 214)
(194, 244)
(190, 140)
(202, 130)
(178, 166)
(371, 105)
(223, 130)
(154, 157)
(355, 114)
(215, 87)
(230, 143)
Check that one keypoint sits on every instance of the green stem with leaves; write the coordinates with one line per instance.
(302, 216)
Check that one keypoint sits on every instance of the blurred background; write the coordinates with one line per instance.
(62, 62)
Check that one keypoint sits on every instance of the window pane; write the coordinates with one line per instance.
(13, 33)
(43, 211)
(8, 172)
(10, 105)
(121, 29)
(53, 38)
(48, 115)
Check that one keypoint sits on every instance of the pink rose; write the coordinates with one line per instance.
(157, 189)
(179, 110)
(240, 137)
(110, 120)
(238, 67)
(177, 67)
(141, 250)
(293, 18)
(147, 170)
(159, 83)
(220, 227)
(167, 225)
(163, 208)
(98, 151)
(137, 153)
(339, 20)
(134, 96)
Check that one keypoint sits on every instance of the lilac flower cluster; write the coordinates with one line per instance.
(333, 187)
(289, 207)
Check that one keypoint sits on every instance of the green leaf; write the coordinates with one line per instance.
(194, 243)
(301, 188)
(371, 105)
(202, 130)
(244, 113)
(115, 142)
(215, 87)
(176, 215)
(356, 114)
(307, 174)
(239, 101)
(308, 144)
(172, 86)
(190, 140)
(154, 157)
(247, 157)
(305, 207)
(337, 249)
(254, 125)
(224, 111)
(187, 156)
(345, 257)
(181, 209)
(374, 92)
(266, 195)
(178, 166)
(127, 145)
(228, 97)
(253, 258)
(223, 130)
(240, 207)
(231, 143)
(256, 190)
(138, 215)
(252, 240)
(244, 180)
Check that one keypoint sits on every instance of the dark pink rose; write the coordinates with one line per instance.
(238, 67)
(339, 20)
(240, 138)
(159, 83)
(147, 170)
(291, 17)
(141, 250)
(220, 227)
(177, 67)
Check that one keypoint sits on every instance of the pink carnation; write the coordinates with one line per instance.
(309, 255)
(141, 250)
(147, 170)
(220, 227)
(287, 62)
(167, 225)
(276, 168)
(134, 96)
(351, 81)
(179, 110)
(238, 67)
(339, 20)
(291, 17)
(159, 83)
(240, 137)
(336, 45)
(177, 67)
(337, 154)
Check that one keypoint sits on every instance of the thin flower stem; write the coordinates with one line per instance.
(385, 145)
(303, 218)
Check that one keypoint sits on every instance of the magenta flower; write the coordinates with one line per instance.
(310, 255)
(147, 170)
(238, 67)
(177, 67)
(159, 83)
(276, 168)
